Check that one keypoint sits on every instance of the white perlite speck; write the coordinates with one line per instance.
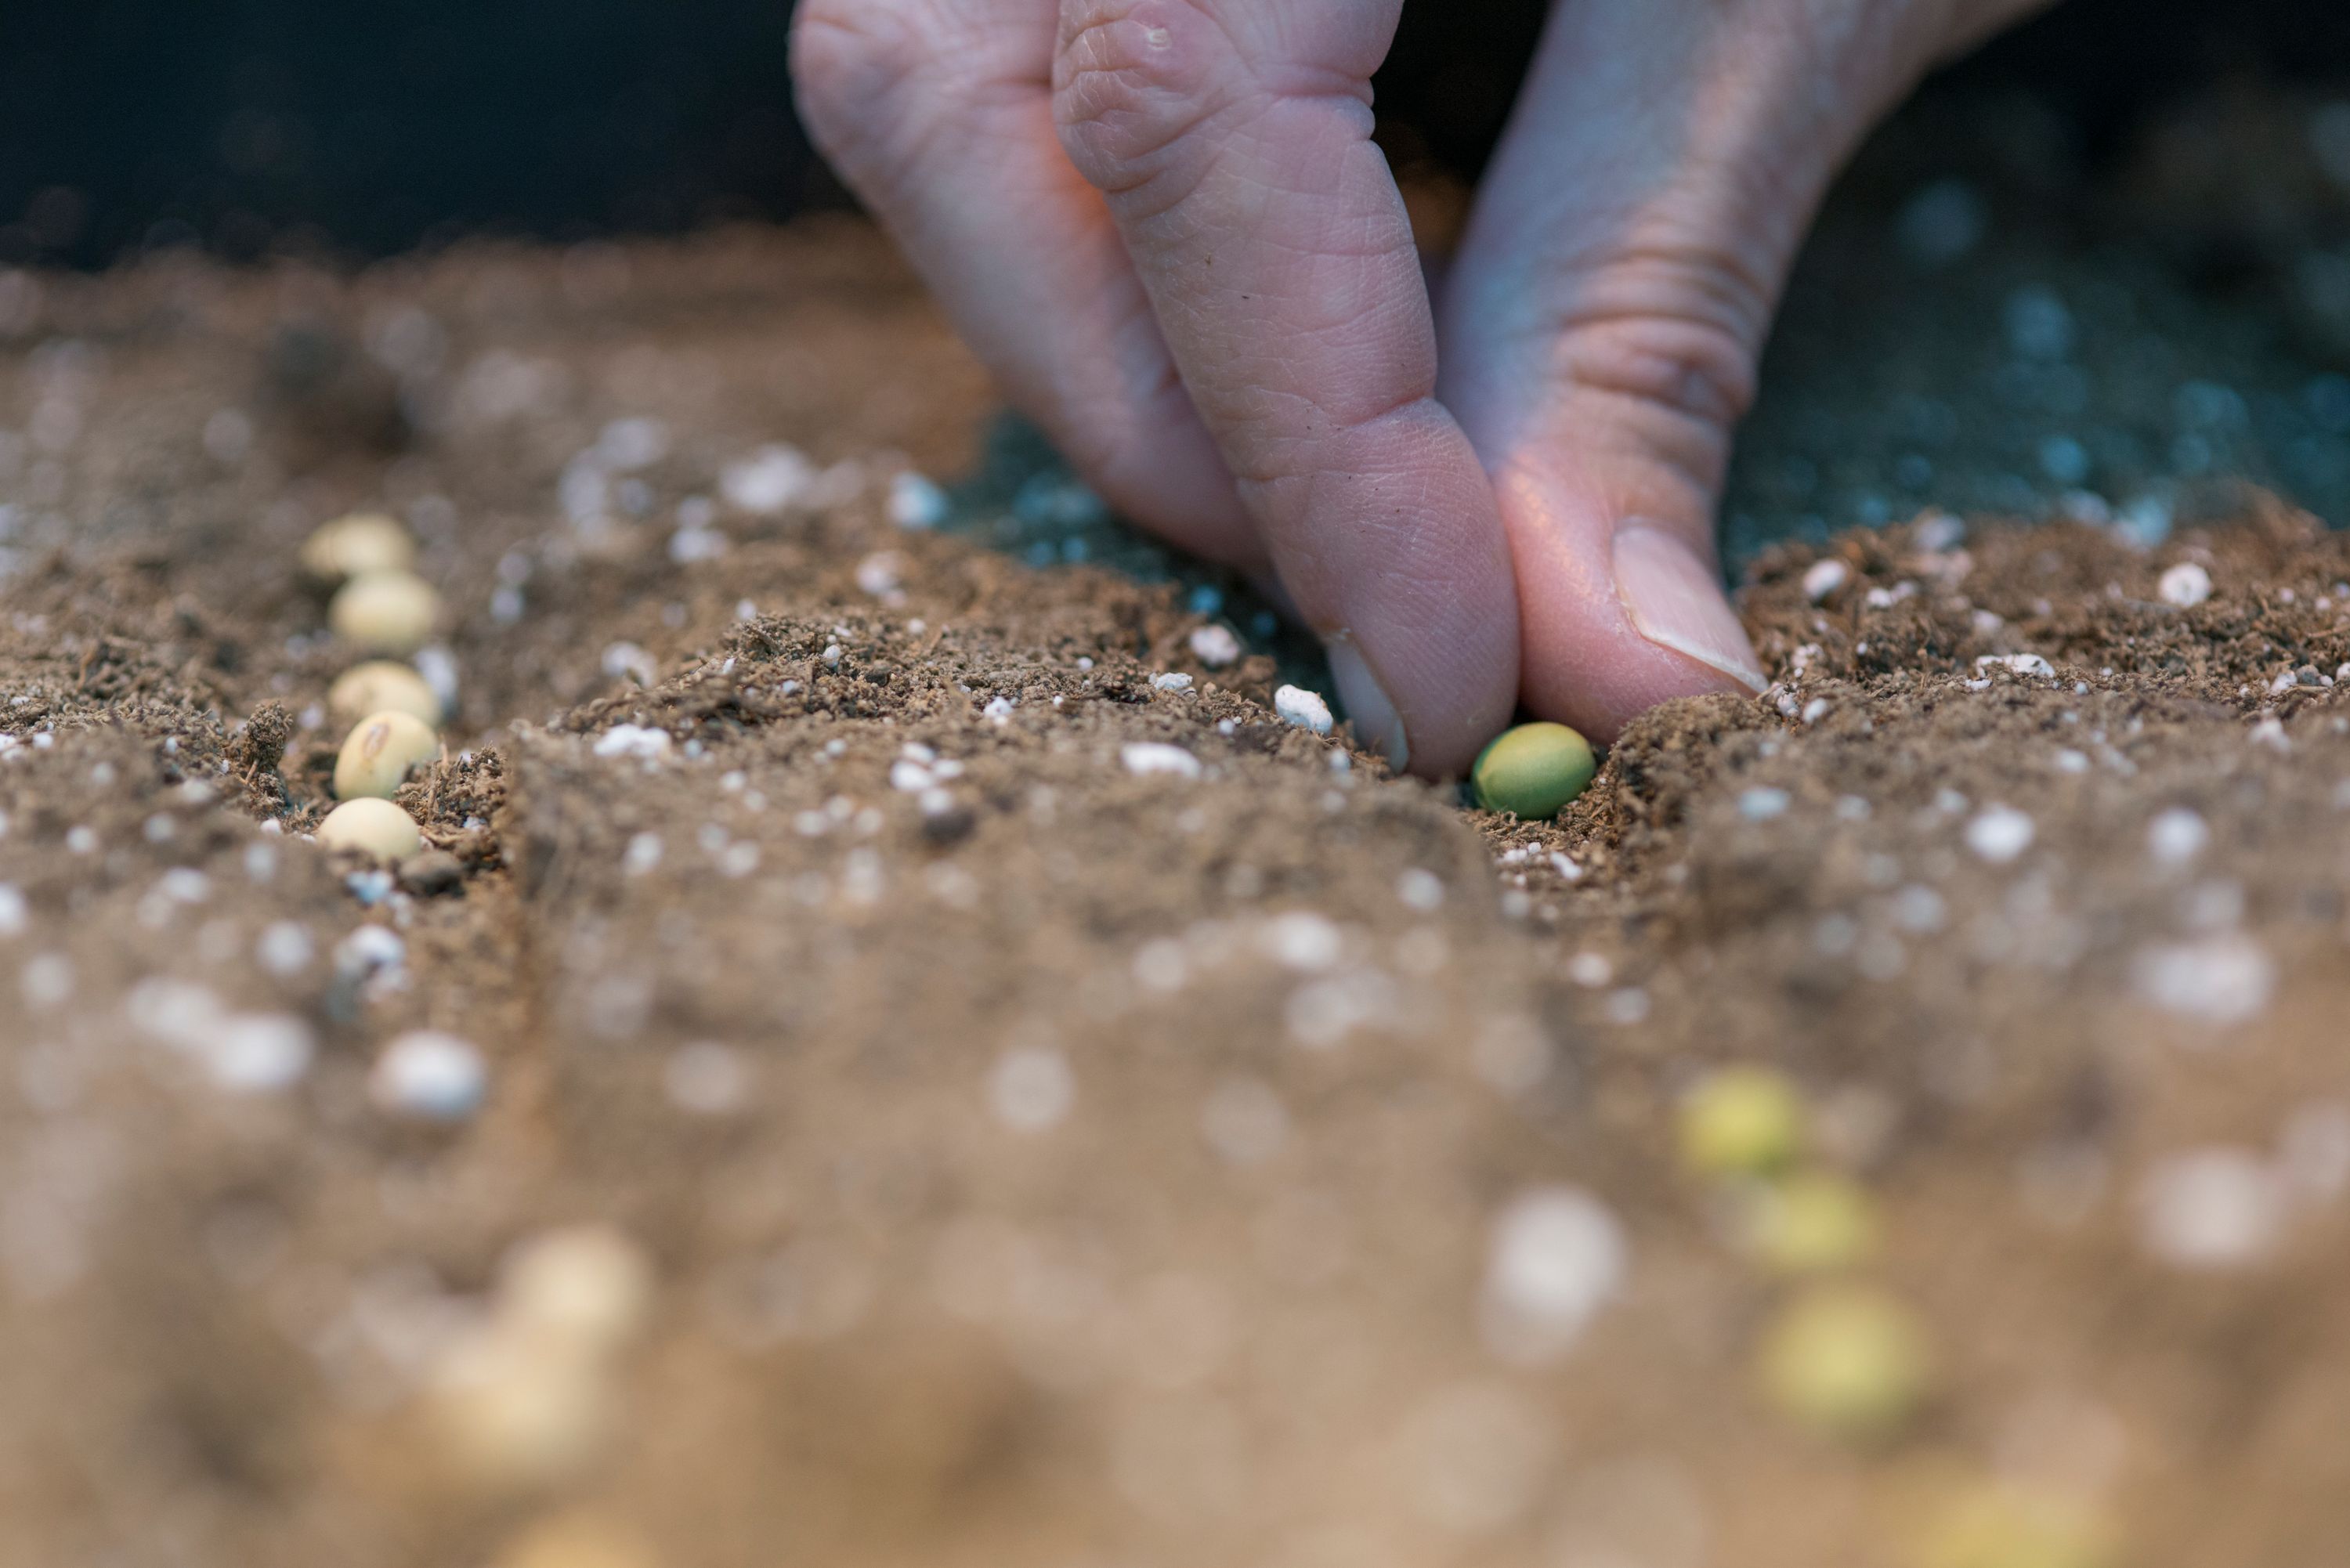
(1762, 805)
(768, 480)
(1170, 682)
(14, 913)
(2211, 1208)
(2185, 585)
(2222, 980)
(633, 741)
(1825, 577)
(253, 1054)
(1999, 834)
(1303, 941)
(1216, 647)
(706, 1079)
(881, 573)
(369, 951)
(1302, 708)
(1032, 1088)
(2017, 663)
(429, 1077)
(1557, 1256)
(1422, 889)
(916, 503)
(285, 949)
(1145, 758)
(2177, 836)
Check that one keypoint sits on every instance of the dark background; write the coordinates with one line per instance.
(253, 125)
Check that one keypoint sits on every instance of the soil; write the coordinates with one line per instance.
(1042, 1157)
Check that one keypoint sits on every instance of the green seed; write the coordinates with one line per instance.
(1847, 1361)
(1534, 771)
(1741, 1121)
(1811, 1224)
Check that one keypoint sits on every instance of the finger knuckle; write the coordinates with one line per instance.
(1135, 82)
(1675, 330)
(853, 63)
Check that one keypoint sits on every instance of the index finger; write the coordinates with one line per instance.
(1234, 144)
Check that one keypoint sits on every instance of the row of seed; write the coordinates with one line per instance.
(383, 607)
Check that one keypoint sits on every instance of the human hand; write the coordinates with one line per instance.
(1163, 224)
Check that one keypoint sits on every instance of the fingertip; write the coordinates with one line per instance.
(1619, 615)
(1675, 599)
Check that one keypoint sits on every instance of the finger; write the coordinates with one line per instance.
(938, 114)
(1234, 142)
(1607, 313)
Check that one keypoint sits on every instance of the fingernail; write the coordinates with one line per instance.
(1676, 601)
(1373, 717)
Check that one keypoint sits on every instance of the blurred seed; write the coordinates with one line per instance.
(1741, 1121)
(1995, 1524)
(1813, 1224)
(1847, 1361)
(385, 612)
(381, 685)
(363, 542)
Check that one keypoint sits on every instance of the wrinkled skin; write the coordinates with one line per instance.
(1164, 226)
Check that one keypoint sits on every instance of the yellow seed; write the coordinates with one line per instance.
(372, 827)
(381, 685)
(380, 753)
(587, 1286)
(1847, 1361)
(363, 542)
(1995, 1524)
(1813, 1224)
(1534, 771)
(1741, 1121)
(576, 1540)
(385, 612)
(510, 1414)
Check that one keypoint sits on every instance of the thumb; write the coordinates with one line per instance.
(1605, 318)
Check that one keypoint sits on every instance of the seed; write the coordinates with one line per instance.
(380, 686)
(363, 542)
(577, 1539)
(380, 753)
(1847, 1361)
(586, 1286)
(513, 1413)
(2007, 1524)
(1813, 1224)
(385, 612)
(1741, 1121)
(372, 827)
(1533, 771)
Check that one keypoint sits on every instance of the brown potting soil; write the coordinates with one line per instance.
(1051, 1152)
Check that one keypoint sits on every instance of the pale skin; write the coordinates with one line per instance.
(1164, 225)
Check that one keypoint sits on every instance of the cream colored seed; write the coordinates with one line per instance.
(372, 827)
(380, 686)
(585, 1285)
(510, 1412)
(385, 612)
(380, 753)
(363, 542)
